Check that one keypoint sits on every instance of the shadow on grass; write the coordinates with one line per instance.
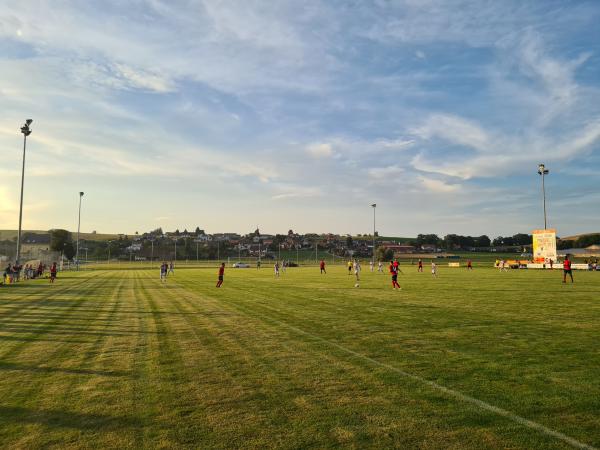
(71, 331)
(66, 419)
(37, 339)
(37, 369)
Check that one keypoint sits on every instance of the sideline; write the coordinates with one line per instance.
(450, 392)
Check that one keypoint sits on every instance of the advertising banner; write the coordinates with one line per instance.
(544, 245)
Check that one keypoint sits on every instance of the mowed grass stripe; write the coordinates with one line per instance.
(246, 298)
(83, 405)
(41, 380)
(142, 365)
(170, 401)
(336, 363)
(58, 301)
(277, 391)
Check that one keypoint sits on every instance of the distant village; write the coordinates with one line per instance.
(186, 245)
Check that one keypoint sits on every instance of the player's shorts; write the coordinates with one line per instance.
(394, 277)
(220, 277)
(567, 271)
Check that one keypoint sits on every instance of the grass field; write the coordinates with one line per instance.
(482, 359)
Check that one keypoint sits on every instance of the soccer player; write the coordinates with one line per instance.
(396, 265)
(163, 272)
(172, 268)
(322, 267)
(349, 267)
(469, 265)
(357, 270)
(371, 265)
(567, 269)
(257, 264)
(420, 268)
(394, 274)
(276, 267)
(53, 272)
(221, 272)
(503, 266)
(380, 267)
(433, 269)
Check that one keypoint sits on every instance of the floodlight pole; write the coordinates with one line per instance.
(543, 172)
(26, 132)
(78, 227)
(374, 206)
(152, 253)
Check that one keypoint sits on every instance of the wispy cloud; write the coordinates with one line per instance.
(300, 105)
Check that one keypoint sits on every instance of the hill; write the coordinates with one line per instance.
(577, 236)
(9, 235)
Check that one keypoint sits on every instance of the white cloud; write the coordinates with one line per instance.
(323, 150)
(438, 186)
(385, 173)
(454, 129)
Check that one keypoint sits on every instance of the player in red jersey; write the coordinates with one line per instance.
(420, 268)
(221, 273)
(394, 274)
(53, 271)
(469, 265)
(322, 266)
(567, 269)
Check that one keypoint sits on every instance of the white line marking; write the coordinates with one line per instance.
(450, 392)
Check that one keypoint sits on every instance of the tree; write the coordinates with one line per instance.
(427, 239)
(384, 254)
(349, 242)
(451, 241)
(58, 239)
(482, 241)
(69, 250)
(587, 240)
(198, 231)
(522, 239)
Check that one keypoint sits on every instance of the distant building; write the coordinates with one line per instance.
(397, 248)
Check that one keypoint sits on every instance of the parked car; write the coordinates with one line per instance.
(241, 265)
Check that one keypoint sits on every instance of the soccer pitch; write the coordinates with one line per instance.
(480, 359)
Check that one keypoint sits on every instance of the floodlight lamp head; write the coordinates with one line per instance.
(81, 194)
(542, 169)
(28, 122)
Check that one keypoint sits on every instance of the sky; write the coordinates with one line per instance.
(229, 115)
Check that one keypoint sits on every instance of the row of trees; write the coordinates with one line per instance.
(581, 242)
(456, 241)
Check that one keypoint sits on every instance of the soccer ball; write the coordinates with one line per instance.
(357, 285)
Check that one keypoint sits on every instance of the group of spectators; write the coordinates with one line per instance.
(593, 264)
(13, 273)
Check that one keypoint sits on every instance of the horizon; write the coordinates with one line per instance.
(191, 231)
(237, 115)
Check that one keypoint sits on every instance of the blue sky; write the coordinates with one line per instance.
(301, 114)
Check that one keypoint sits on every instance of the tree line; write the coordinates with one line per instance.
(457, 241)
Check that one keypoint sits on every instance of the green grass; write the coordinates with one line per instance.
(114, 359)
